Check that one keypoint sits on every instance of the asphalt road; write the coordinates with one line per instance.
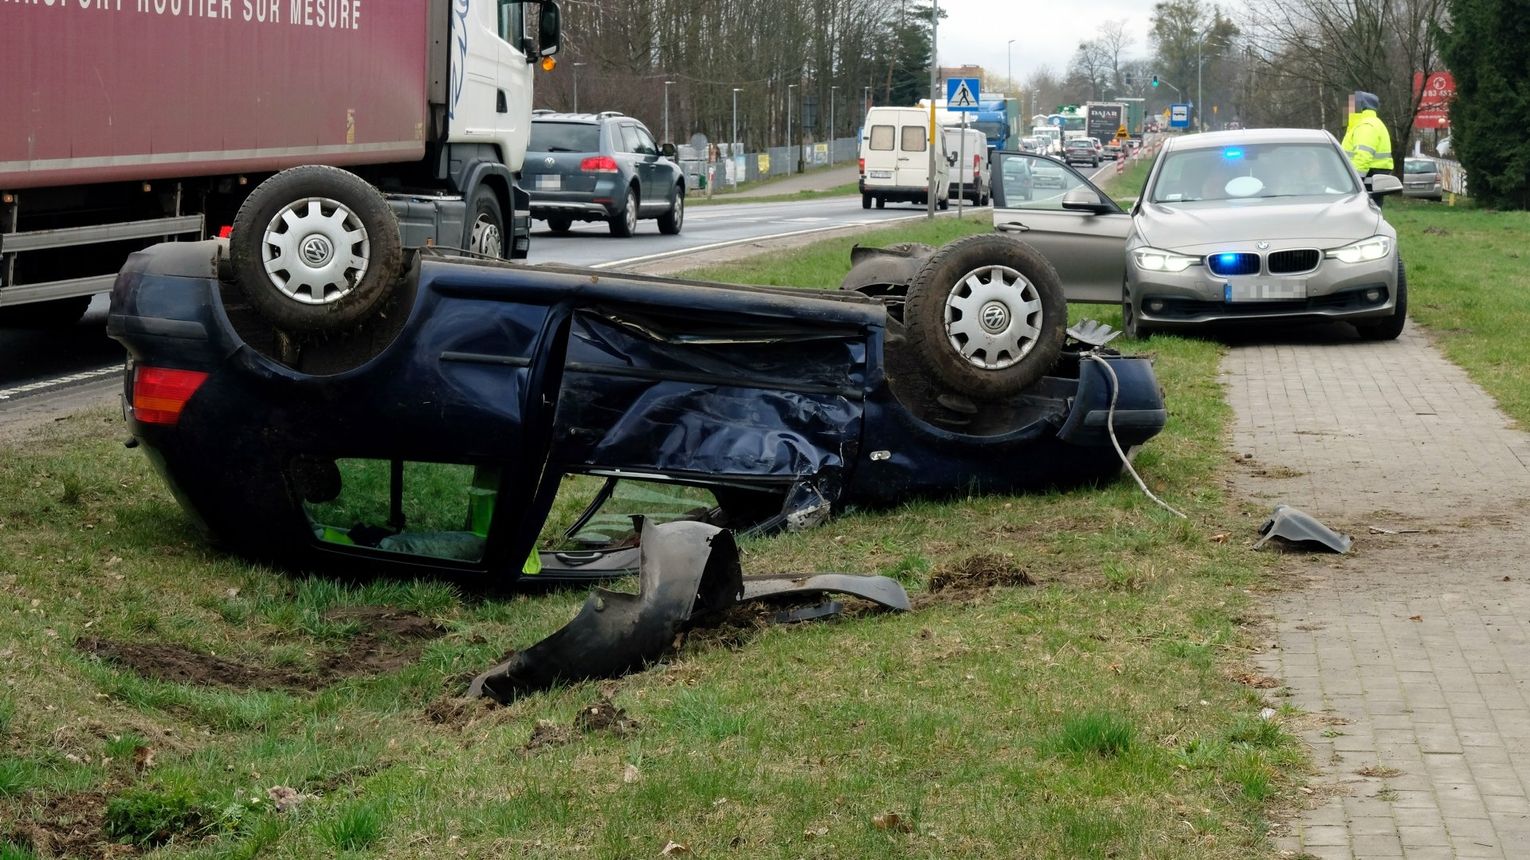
(36, 363)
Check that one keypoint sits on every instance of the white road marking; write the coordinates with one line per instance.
(8, 393)
(730, 243)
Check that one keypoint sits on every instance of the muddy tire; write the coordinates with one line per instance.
(986, 315)
(315, 249)
(1390, 328)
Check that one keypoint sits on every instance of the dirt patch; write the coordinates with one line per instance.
(388, 640)
(455, 712)
(1379, 771)
(69, 825)
(1255, 680)
(604, 716)
(978, 572)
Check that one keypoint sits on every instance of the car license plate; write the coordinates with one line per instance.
(881, 174)
(1265, 290)
(549, 182)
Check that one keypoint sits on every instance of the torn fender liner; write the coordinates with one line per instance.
(687, 573)
(1301, 530)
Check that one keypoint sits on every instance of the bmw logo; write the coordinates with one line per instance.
(1264, 246)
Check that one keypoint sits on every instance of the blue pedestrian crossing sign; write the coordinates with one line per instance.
(962, 94)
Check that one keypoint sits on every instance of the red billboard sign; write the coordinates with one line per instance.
(1434, 92)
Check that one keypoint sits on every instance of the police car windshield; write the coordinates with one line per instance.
(1252, 172)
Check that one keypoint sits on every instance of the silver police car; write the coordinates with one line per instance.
(1268, 225)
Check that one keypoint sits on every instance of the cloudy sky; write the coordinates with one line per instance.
(1046, 32)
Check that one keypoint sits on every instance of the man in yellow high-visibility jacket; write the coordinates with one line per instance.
(1366, 140)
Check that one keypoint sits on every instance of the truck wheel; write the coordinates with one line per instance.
(559, 223)
(1390, 328)
(58, 313)
(986, 315)
(865, 201)
(624, 223)
(486, 235)
(315, 249)
(881, 204)
(671, 222)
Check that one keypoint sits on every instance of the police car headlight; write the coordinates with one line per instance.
(1363, 251)
(1155, 260)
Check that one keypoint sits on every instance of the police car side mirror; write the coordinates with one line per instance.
(1383, 184)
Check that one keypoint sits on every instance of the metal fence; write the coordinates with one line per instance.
(741, 168)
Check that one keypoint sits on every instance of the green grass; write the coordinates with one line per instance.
(1089, 715)
(1469, 284)
(699, 199)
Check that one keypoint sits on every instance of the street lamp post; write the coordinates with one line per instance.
(576, 85)
(831, 122)
(667, 138)
(790, 147)
(733, 144)
(1199, 43)
(933, 186)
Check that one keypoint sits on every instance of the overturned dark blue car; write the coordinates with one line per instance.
(331, 400)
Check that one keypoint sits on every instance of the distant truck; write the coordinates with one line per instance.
(128, 124)
(1103, 119)
(992, 118)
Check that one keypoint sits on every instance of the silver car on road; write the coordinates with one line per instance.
(1251, 225)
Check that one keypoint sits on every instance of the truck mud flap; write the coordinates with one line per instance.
(688, 574)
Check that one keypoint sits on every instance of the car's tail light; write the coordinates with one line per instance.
(225, 231)
(598, 164)
(160, 393)
(861, 163)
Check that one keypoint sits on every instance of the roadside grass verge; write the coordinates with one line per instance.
(1088, 715)
(1468, 284)
(698, 198)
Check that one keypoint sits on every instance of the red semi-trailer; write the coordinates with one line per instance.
(126, 122)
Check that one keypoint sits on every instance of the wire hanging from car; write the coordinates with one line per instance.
(1110, 427)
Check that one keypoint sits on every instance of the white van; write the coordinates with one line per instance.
(971, 145)
(895, 158)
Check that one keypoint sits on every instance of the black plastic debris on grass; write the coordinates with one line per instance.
(688, 576)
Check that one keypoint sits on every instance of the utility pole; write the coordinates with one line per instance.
(667, 138)
(831, 122)
(733, 144)
(576, 85)
(934, 66)
(791, 159)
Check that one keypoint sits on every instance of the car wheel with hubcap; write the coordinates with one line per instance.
(486, 235)
(986, 315)
(315, 249)
(1391, 327)
(624, 223)
(671, 222)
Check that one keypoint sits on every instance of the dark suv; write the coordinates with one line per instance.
(1079, 150)
(601, 167)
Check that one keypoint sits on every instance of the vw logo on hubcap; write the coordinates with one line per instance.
(995, 317)
(316, 250)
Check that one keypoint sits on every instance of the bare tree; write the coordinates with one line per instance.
(1319, 51)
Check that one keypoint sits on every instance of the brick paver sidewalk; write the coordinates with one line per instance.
(1412, 652)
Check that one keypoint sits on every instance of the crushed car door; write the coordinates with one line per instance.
(1086, 246)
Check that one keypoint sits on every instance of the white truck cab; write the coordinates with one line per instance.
(895, 158)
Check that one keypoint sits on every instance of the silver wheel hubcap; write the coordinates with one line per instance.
(315, 251)
(487, 239)
(993, 317)
(679, 209)
(631, 211)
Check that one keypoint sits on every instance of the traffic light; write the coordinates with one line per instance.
(1126, 78)
(1155, 80)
